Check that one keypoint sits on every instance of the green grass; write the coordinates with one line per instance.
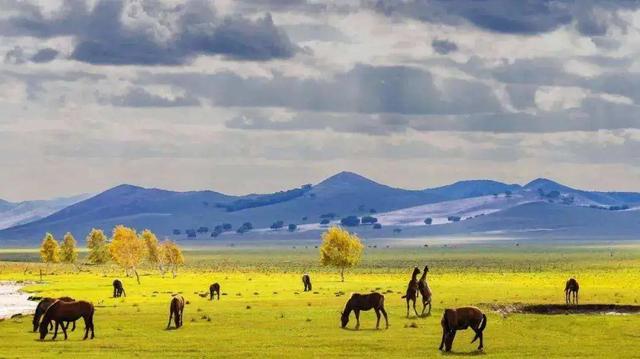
(265, 313)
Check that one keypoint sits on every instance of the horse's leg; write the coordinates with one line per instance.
(429, 312)
(87, 324)
(576, 297)
(170, 316)
(408, 306)
(481, 342)
(414, 306)
(357, 313)
(452, 336)
(444, 333)
(73, 329)
(64, 330)
(377, 321)
(384, 312)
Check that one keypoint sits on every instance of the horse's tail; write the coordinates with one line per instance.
(404, 296)
(445, 322)
(483, 324)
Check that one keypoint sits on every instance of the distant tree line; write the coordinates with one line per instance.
(265, 200)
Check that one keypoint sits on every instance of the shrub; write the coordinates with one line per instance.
(191, 233)
(369, 220)
(325, 221)
(350, 221)
(428, 221)
(292, 227)
(453, 218)
(203, 229)
(377, 226)
(176, 232)
(277, 225)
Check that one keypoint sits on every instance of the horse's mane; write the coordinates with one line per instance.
(47, 312)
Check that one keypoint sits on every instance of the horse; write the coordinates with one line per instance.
(306, 281)
(42, 307)
(61, 311)
(118, 289)
(365, 302)
(461, 319)
(214, 289)
(425, 291)
(175, 310)
(412, 291)
(571, 287)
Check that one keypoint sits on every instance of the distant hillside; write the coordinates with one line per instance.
(13, 214)
(473, 188)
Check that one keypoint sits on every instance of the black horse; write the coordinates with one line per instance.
(214, 289)
(359, 302)
(42, 307)
(412, 291)
(118, 289)
(306, 280)
(461, 319)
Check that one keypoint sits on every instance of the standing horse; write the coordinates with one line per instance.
(214, 289)
(42, 307)
(365, 302)
(412, 291)
(461, 319)
(572, 287)
(60, 312)
(175, 310)
(425, 291)
(306, 281)
(118, 289)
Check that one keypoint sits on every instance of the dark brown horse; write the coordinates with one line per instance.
(365, 302)
(306, 281)
(118, 289)
(425, 291)
(42, 307)
(214, 289)
(175, 310)
(461, 319)
(60, 312)
(412, 291)
(571, 289)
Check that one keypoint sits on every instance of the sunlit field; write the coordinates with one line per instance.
(263, 311)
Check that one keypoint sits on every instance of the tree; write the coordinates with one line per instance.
(98, 248)
(153, 250)
(377, 226)
(292, 227)
(340, 249)
(69, 253)
(369, 220)
(325, 221)
(428, 221)
(49, 250)
(350, 221)
(171, 255)
(127, 249)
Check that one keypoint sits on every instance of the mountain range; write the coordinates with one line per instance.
(465, 207)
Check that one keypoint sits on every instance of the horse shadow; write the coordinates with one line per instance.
(464, 354)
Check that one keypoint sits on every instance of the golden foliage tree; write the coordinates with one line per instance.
(127, 249)
(98, 247)
(49, 249)
(153, 249)
(69, 253)
(171, 255)
(340, 249)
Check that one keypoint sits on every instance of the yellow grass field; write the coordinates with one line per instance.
(264, 312)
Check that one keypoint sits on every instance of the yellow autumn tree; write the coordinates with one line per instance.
(49, 249)
(127, 250)
(69, 253)
(98, 247)
(153, 249)
(171, 255)
(340, 249)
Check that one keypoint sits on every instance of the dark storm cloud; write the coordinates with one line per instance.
(139, 97)
(44, 55)
(444, 47)
(102, 38)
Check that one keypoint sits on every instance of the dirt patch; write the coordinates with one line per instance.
(552, 309)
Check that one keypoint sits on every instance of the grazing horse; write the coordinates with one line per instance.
(572, 287)
(306, 280)
(425, 291)
(175, 310)
(461, 319)
(359, 302)
(118, 289)
(214, 289)
(412, 291)
(60, 312)
(42, 307)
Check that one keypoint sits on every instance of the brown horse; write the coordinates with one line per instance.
(118, 289)
(175, 310)
(412, 291)
(571, 289)
(461, 319)
(214, 289)
(306, 281)
(425, 291)
(42, 307)
(365, 302)
(60, 312)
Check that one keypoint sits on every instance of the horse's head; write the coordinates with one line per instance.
(44, 329)
(416, 271)
(426, 268)
(344, 319)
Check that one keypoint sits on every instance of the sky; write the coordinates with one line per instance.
(244, 96)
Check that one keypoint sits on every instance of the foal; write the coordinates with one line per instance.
(214, 289)
(42, 307)
(425, 291)
(572, 287)
(60, 312)
(461, 319)
(306, 280)
(175, 310)
(118, 289)
(365, 302)
(412, 291)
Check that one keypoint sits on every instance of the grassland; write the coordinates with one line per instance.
(265, 313)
